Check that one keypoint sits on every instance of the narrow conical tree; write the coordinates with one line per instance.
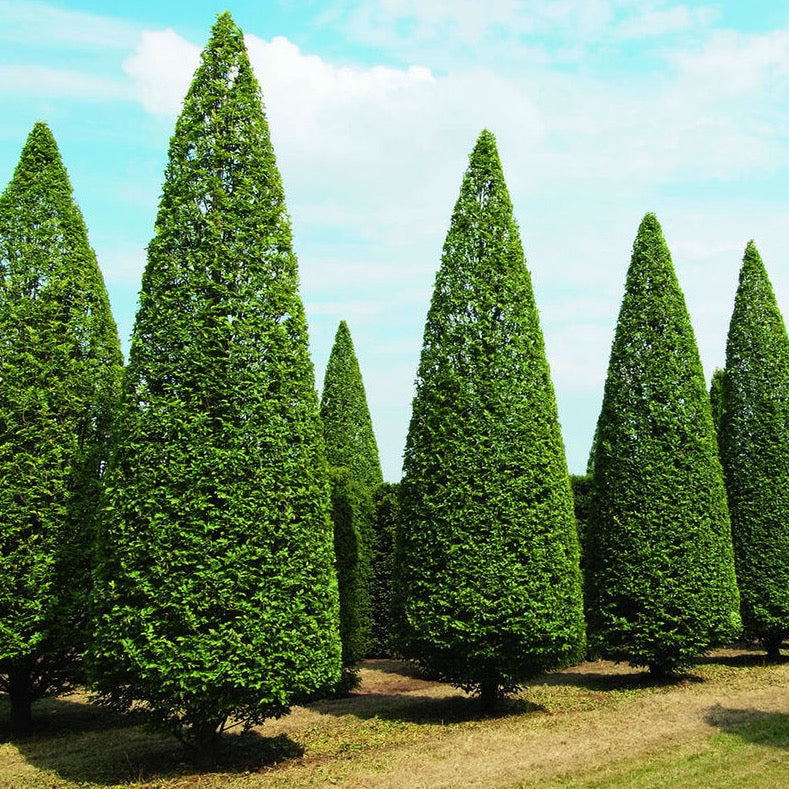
(347, 426)
(60, 371)
(353, 453)
(755, 452)
(489, 588)
(716, 398)
(659, 566)
(217, 593)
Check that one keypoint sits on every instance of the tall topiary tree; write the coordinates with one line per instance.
(217, 595)
(353, 453)
(659, 567)
(487, 555)
(347, 426)
(755, 452)
(60, 368)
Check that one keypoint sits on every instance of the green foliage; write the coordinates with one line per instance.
(347, 427)
(716, 398)
(386, 502)
(755, 452)
(659, 566)
(489, 587)
(353, 454)
(352, 514)
(581, 485)
(60, 367)
(217, 596)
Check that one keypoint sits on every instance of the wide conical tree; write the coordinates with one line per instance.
(755, 452)
(217, 596)
(353, 453)
(347, 426)
(659, 567)
(60, 369)
(489, 588)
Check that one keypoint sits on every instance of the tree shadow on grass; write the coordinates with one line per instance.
(410, 708)
(750, 659)
(64, 714)
(87, 744)
(403, 668)
(754, 726)
(607, 680)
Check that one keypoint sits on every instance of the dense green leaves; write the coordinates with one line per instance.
(352, 515)
(347, 427)
(60, 367)
(754, 428)
(356, 472)
(217, 592)
(487, 556)
(660, 576)
(386, 502)
(716, 398)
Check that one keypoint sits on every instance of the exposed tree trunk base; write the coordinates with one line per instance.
(21, 697)
(773, 647)
(660, 671)
(204, 746)
(489, 694)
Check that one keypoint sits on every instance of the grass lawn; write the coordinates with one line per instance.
(599, 724)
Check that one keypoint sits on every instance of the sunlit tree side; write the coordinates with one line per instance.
(216, 595)
(60, 366)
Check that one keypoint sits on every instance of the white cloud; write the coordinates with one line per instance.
(659, 22)
(732, 62)
(40, 23)
(161, 69)
(53, 82)
(372, 159)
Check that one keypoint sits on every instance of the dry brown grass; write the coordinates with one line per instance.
(598, 724)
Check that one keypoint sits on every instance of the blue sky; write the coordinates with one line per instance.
(603, 110)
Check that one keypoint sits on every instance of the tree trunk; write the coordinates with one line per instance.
(489, 694)
(203, 745)
(659, 671)
(772, 645)
(21, 696)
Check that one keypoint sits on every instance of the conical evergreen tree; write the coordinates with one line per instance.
(353, 453)
(347, 426)
(60, 370)
(755, 452)
(487, 555)
(217, 593)
(659, 566)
